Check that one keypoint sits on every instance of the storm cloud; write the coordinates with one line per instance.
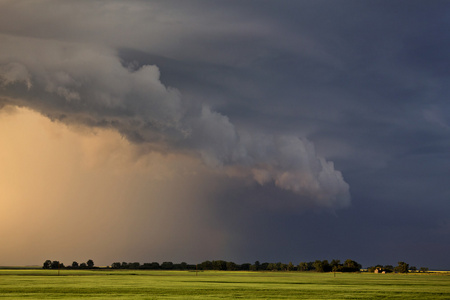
(283, 121)
(85, 84)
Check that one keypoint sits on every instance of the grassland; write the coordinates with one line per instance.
(120, 284)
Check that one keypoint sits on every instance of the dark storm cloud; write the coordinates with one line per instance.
(363, 84)
(84, 82)
(368, 84)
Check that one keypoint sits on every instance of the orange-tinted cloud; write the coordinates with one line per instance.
(66, 193)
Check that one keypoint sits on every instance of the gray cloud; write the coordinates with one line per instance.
(87, 84)
(282, 94)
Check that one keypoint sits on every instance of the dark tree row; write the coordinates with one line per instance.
(334, 266)
(401, 268)
(153, 266)
(222, 265)
(48, 264)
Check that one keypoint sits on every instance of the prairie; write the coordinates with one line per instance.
(123, 284)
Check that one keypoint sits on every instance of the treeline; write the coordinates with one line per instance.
(153, 266)
(402, 267)
(48, 264)
(222, 265)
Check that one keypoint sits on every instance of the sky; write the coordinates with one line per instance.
(290, 131)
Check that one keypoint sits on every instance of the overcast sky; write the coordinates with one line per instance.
(236, 130)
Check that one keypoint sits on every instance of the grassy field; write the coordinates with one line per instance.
(119, 284)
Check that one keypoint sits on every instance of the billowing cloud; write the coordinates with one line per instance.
(227, 124)
(87, 84)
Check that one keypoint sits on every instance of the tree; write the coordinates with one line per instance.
(264, 266)
(167, 265)
(336, 265)
(206, 265)
(231, 266)
(75, 265)
(318, 266)
(303, 266)
(351, 266)
(116, 265)
(388, 268)
(90, 264)
(402, 267)
(155, 265)
(47, 264)
(280, 266)
(322, 266)
(55, 264)
(290, 266)
(83, 266)
(219, 265)
(256, 266)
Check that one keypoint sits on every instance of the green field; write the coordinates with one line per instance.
(120, 284)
